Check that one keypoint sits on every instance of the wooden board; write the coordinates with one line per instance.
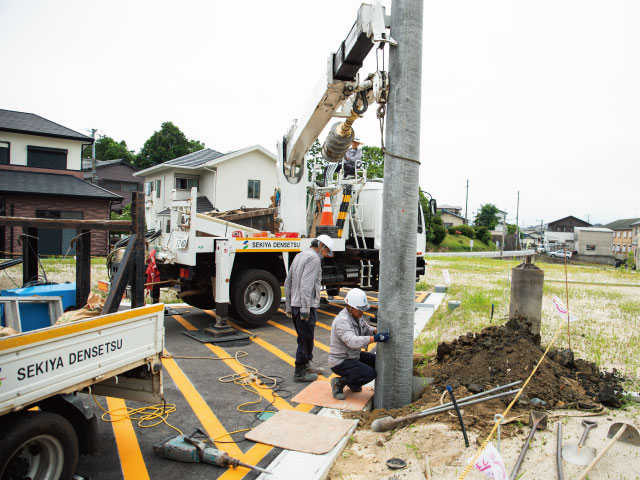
(300, 431)
(319, 393)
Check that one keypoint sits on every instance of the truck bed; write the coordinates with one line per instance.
(88, 353)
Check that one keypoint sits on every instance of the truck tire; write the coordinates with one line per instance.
(39, 446)
(255, 296)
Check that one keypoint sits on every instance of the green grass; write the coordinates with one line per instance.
(606, 302)
(460, 243)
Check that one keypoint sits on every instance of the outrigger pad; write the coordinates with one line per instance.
(204, 337)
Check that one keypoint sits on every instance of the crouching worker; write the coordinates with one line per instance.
(350, 333)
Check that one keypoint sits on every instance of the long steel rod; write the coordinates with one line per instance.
(481, 394)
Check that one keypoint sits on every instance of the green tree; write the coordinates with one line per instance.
(487, 216)
(108, 149)
(314, 156)
(166, 144)
(373, 160)
(125, 215)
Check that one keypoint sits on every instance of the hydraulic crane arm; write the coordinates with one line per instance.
(339, 90)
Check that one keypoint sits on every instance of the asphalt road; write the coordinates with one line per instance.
(202, 400)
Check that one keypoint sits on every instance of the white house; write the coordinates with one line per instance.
(225, 181)
(594, 244)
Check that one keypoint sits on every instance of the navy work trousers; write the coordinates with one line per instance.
(305, 330)
(357, 372)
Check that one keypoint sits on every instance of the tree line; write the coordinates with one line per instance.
(165, 144)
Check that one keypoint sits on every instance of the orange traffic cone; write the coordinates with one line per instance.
(327, 216)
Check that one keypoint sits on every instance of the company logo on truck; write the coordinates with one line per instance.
(54, 363)
(268, 245)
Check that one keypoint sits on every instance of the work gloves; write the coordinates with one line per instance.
(382, 337)
(304, 316)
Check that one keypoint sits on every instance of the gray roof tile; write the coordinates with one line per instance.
(622, 224)
(195, 159)
(52, 184)
(29, 123)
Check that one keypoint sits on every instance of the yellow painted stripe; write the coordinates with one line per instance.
(279, 403)
(205, 415)
(133, 466)
(422, 297)
(321, 346)
(267, 346)
(181, 320)
(62, 330)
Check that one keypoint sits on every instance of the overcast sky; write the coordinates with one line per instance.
(541, 97)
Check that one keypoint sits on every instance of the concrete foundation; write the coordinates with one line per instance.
(527, 282)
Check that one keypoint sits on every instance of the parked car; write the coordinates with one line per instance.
(560, 254)
(542, 249)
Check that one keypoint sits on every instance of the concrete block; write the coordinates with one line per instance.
(453, 304)
(441, 288)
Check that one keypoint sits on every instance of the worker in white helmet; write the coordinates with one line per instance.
(302, 297)
(350, 333)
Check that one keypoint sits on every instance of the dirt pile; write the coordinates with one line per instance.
(498, 355)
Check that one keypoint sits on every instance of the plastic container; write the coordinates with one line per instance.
(36, 315)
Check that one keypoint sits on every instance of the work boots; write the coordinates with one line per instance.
(313, 368)
(337, 387)
(301, 374)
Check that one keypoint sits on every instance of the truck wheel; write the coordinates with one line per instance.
(39, 446)
(255, 296)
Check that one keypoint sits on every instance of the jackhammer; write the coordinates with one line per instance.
(185, 448)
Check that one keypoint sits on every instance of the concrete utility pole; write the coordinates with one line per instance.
(394, 362)
(466, 205)
(517, 225)
(94, 174)
(504, 232)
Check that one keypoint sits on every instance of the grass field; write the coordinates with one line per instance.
(605, 300)
(460, 243)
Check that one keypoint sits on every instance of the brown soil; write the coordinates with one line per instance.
(499, 355)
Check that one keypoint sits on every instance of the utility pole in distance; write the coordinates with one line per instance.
(94, 174)
(517, 225)
(466, 204)
(394, 363)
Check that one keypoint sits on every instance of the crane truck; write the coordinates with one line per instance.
(238, 270)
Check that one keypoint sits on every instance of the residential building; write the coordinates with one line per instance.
(594, 244)
(451, 216)
(115, 176)
(225, 181)
(635, 226)
(41, 176)
(560, 233)
(622, 236)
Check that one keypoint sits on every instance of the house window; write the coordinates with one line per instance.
(148, 188)
(57, 241)
(618, 234)
(45, 157)
(591, 248)
(254, 189)
(129, 187)
(186, 183)
(158, 187)
(4, 153)
(625, 234)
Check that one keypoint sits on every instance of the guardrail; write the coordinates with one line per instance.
(505, 254)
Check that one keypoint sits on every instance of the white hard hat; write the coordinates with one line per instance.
(357, 140)
(356, 298)
(327, 241)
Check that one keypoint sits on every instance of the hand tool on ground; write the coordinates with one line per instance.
(619, 431)
(457, 408)
(536, 420)
(559, 452)
(498, 417)
(388, 423)
(581, 454)
(184, 448)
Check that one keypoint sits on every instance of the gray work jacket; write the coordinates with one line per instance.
(304, 281)
(348, 337)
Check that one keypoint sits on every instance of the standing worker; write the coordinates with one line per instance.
(302, 296)
(350, 333)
